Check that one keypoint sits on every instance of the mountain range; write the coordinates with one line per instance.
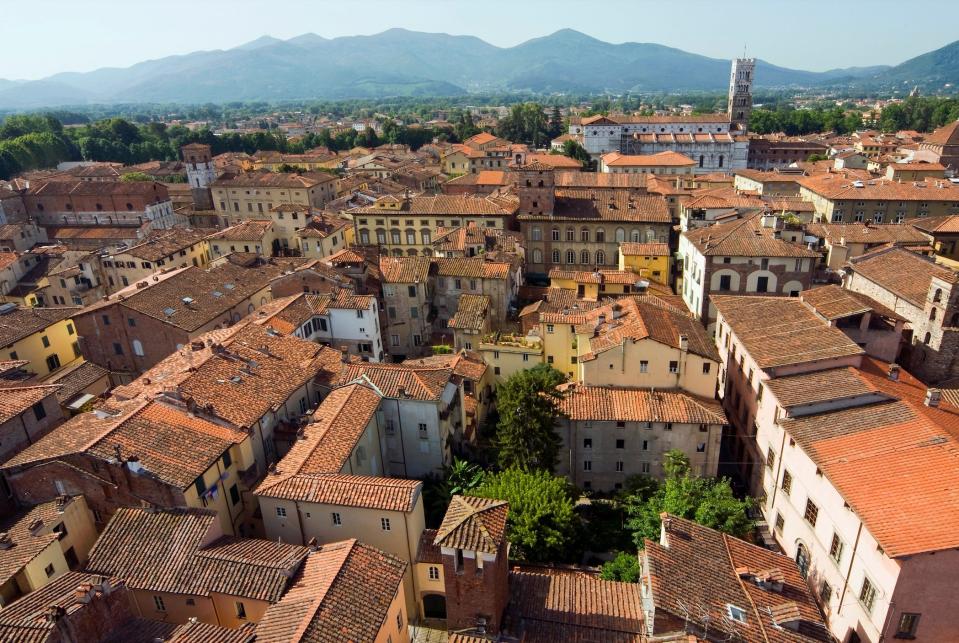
(398, 62)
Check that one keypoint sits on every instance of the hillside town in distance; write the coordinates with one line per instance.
(654, 377)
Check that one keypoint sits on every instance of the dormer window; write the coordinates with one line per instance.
(736, 613)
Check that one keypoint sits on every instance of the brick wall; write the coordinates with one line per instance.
(470, 596)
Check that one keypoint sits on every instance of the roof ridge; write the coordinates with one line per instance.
(317, 601)
(742, 586)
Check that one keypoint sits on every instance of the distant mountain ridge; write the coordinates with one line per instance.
(398, 62)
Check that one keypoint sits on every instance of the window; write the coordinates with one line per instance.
(53, 362)
(736, 613)
(138, 348)
(336, 519)
(434, 572)
(643, 366)
(811, 513)
(587, 465)
(620, 444)
(570, 256)
(908, 623)
(787, 483)
(645, 445)
(725, 282)
(424, 434)
(49, 570)
(240, 610)
(555, 234)
(835, 548)
(587, 443)
(158, 603)
(825, 592)
(525, 357)
(780, 522)
(38, 411)
(281, 512)
(762, 284)
(399, 620)
(674, 367)
(385, 524)
(770, 458)
(867, 595)
(234, 494)
(644, 467)
(706, 367)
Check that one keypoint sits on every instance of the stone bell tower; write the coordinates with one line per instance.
(741, 92)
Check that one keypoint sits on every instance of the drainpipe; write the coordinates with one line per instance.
(779, 467)
(845, 581)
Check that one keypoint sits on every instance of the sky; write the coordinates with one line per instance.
(71, 35)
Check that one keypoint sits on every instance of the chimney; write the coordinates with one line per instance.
(933, 396)
(54, 613)
(894, 372)
(84, 593)
(666, 522)
(401, 391)
(345, 354)
(683, 343)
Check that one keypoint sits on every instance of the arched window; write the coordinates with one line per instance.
(938, 296)
(650, 235)
(802, 560)
(540, 184)
(584, 257)
(634, 235)
(570, 234)
(555, 256)
(600, 235)
(570, 256)
(932, 315)
(584, 235)
(411, 252)
(600, 257)
(620, 235)
(537, 255)
(397, 252)
(555, 234)
(927, 339)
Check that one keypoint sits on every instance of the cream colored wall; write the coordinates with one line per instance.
(395, 630)
(225, 606)
(620, 366)
(560, 343)
(510, 360)
(33, 576)
(425, 584)
(176, 608)
(81, 530)
(591, 291)
(229, 514)
(196, 255)
(263, 245)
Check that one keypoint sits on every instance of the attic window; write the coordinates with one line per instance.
(736, 613)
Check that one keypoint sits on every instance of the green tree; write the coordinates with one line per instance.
(132, 177)
(708, 501)
(574, 150)
(542, 524)
(526, 123)
(528, 404)
(623, 568)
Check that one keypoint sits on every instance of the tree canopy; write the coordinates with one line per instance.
(542, 524)
(526, 123)
(528, 405)
(708, 501)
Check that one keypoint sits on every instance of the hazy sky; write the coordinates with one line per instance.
(51, 36)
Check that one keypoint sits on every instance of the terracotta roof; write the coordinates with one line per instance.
(833, 302)
(635, 318)
(554, 604)
(901, 272)
(30, 532)
(446, 204)
(321, 605)
(744, 237)
(404, 270)
(427, 551)
(946, 135)
(25, 620)
(476, 524)
(163, 243)
(370, 492)
(471, 267)
(702, 571)
(838, 187)
(23, 321)
(660, 159)
(915, 510)
(598, 204)
(304, 180)
(556, 161)
(620, 181)
(948, 224)
(779, 331)
(630, 249)
(170, 551)
(333, 432)
(868, 234)
(613, 404)
(820, 386)
(418, 383)
(471, 312)
(249, 230)
(73, 379)
(14, 400)
(255, 373)
(464, 363)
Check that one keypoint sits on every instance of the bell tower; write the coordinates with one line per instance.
(200, 172)
(741, 93)
(536, 188)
